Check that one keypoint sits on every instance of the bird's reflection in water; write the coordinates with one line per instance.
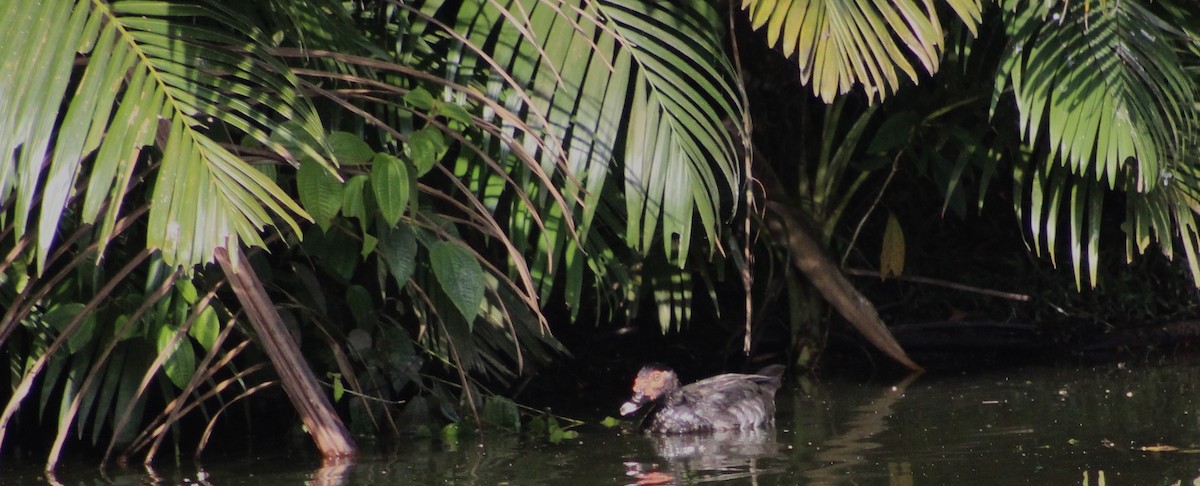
(714, 456)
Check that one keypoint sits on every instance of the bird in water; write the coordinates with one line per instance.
(732, 401)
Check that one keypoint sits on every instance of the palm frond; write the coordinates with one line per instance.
(571, 68)
(1103, 86)
(1104, 90)
(151, 77)
(840, 44)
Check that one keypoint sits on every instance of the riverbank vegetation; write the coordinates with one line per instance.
(396, 214)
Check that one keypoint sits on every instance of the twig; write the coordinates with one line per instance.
(861, 222)
(943, 283)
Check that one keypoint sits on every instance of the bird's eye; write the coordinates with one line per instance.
(656, 376)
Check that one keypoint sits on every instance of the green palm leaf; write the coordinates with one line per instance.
(614, 109)
(572, 67)
(843, 43)
(151, 77)
(1104, 86)
(1107, 93)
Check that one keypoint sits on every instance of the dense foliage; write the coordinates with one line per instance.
(438, 184)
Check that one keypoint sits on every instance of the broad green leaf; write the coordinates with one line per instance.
(398, 249)
(353, 202)
(455, 112)
(350, 149)
(187, 290)
(450, 434)
(460, 276)
(425, 147)
(391, 185)
(338, 387)
(206, 328)
(320, 192)
(419, 98)
(896, 131)
(181, 361)
(362, 307)
(502, 412)
(59, 317)
(368, 245)
(334, 250)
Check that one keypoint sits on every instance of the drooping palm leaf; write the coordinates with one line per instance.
(843, 43)
(151, 77)
(1103, 87)
(571, 68)
(613, 109)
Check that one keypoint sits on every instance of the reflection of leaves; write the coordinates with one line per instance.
(537, 425)
(610, 422)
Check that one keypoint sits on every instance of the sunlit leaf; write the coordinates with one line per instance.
(1117, 106)
(206, 328)
(891, 258)
(187, 290)
(181, 359)
(843, 44)
(338, 388)
(148, 77)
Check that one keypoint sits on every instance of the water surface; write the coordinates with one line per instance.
(1081, 424)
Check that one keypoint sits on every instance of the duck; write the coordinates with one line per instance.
(732, 401)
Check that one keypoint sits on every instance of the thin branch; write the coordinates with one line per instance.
(942, 283)
(858, 228)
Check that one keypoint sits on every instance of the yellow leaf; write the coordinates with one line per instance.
(891, 257)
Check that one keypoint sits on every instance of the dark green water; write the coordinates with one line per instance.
(1035, 425)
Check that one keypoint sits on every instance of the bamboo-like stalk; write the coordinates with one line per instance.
(298, 380)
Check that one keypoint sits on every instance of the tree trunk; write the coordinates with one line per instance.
(323, 423)
(786, 223)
